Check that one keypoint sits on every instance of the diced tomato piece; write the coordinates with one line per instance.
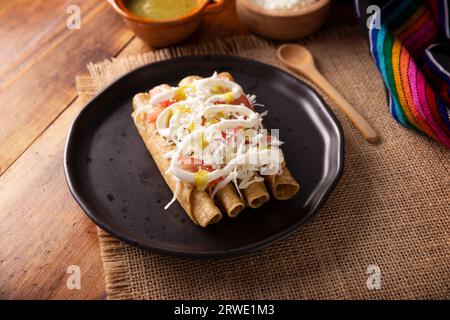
(153, 114)
(226, 134)
(206, 167)
(269, 138)
(242, 100)
(193, 165)
(166, 103)
(214, 182)
(190, 164)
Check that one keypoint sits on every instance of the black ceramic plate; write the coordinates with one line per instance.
(114, 179)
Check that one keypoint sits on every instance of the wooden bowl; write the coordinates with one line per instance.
(166, 32)
(283, 24)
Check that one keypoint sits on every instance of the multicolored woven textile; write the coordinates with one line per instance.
(409, 41)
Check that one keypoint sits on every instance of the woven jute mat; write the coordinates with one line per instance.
(389, 213)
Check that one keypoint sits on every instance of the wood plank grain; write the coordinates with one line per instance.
(37, 26)
(43, 229)
(32, 101)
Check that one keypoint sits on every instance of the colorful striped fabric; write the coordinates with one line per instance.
(410, 48)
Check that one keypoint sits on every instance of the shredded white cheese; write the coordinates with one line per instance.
(217, 135)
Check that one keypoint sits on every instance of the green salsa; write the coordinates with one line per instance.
(160, 9)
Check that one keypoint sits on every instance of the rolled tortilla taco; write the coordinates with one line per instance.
(256, 194)
(188, 80)
(282, 186)
(198, 204)
(190, 128)
(227, 197)
(230, 200)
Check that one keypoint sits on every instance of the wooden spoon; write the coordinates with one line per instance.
(299, 59)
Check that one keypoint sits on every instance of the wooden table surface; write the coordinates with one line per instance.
(42, 229)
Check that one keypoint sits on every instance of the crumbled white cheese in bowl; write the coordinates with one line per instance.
(283, 4)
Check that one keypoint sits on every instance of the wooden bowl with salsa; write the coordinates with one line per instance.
(163, 23)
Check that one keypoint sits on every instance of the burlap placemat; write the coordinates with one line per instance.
(390, 209)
